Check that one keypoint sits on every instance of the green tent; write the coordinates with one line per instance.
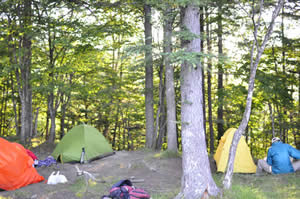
(82, 136)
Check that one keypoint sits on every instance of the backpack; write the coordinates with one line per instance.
(125, 190)
(138, 194)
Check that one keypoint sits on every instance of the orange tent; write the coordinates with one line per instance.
(16, 168)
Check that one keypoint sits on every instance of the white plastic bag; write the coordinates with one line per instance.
(61, 178)
(51, 178)
(55, 179)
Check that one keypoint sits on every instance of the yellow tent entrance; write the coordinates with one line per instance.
(243, 162)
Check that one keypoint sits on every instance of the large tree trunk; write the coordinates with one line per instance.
(150, 136)
(253, 68)
(170, 89)
(209, 69)
(196, 178)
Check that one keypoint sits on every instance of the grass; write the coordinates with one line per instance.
(246, 186)
(167, 154)
(167, 195)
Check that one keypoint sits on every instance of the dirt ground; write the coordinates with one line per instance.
(147, 169)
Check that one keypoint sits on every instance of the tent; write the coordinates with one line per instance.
(82, 136)
(16, 166)
(243, 162)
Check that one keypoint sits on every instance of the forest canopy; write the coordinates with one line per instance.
(65, 63)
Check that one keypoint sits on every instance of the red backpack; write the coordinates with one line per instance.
(125, 190)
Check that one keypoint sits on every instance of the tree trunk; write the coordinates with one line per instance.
(196, 178)
(203, 73)
(285, 125)
(65, 99)
(52, 114)
(253, 68)
(150, 137)
(47, 124)
(14, 101)
(23, 73)
(63, 117)
(170, 89)
(160, 108)
(272, 119)
(1, 110)
(36, 122)
(220, 120)
(209, 70)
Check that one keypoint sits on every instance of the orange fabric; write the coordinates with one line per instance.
(16, 168)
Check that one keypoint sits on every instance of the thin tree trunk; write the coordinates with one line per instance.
(297, 143)
(220, 120)
(47, 125)
(64, 104)
(14, 101)
(36, 122)
(2, 107)
(52, 114)
(253, 68)
(160, 106)
(202, 68)
(150, 136)
(285, 115)
(5, 108)
(196, 179)
(63, 117)
(272, 119)
(209, 71)
(114, 136)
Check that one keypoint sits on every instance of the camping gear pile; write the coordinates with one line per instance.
(16, 166)
(46, 162)
(243, 162)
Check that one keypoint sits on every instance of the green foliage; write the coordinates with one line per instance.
(98, 61)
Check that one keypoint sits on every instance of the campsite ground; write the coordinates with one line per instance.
(158, 173)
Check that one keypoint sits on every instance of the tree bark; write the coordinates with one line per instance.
(170, 89)
(209, 70)
(202, 68)
(150, 136)
(23, 72)
(64, 104)
(36, 122)
(253, 68)
(196, 178)
(14, 101)
(159, 128)
(272, 119)
(220, 120)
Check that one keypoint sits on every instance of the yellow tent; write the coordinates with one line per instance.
(243, 162)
